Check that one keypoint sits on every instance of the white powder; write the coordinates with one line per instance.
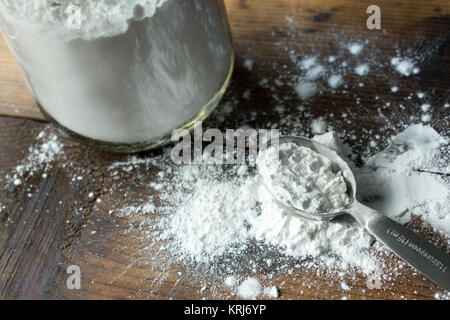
(315, 72)
(362, 69)
(306, 86)
(208, 221)
(302, 238)
(404, 66)
(425, 107)
(306, 89)
(309, 83)
(46, 150)
(272, 292)
(341, 244)
(303, 179)
(220, 217)
(355, 48)
(411, 176)
(345, 286)
(225, 211)
(418, 147)
(318, 126)
(81, 19)
(308, 63)
(147, 208)
(426, 117)
(249, 289)
(334, 81)
(204, 215)
(212, 214)
(230, 281)
(248, 63)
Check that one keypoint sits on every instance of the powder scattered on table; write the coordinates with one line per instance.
(249, 289)
(355, 48)
(47, 149)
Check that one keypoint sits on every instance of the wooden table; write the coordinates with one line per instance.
(48, 224)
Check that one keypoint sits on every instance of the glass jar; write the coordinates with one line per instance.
(121, 76)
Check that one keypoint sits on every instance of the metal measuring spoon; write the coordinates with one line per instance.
(417, 251)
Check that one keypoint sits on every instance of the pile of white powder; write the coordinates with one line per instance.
(411, 177)
(214, 213)
(303, 179)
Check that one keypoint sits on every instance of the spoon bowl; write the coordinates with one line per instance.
(340, 165)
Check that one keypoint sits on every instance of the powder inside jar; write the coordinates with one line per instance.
(125, 72)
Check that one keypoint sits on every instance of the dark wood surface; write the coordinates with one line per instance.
(48, 224)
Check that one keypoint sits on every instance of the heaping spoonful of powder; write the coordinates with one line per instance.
(303, 179)
(308, 178)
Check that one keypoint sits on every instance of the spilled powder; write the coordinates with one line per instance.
(362, 69)
(314, 70)
(46, 149)
(355, 48)
(405, 66)
(207, 222)
(411, 176)
(249, 289)
(272, 292)
(306, 89)
(318, 126)
(230, 281)
(216, 213)
(207, 217)
(334, 81)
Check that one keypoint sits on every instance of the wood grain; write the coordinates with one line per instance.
(49, 224)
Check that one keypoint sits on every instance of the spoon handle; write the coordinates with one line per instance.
(417, 251)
